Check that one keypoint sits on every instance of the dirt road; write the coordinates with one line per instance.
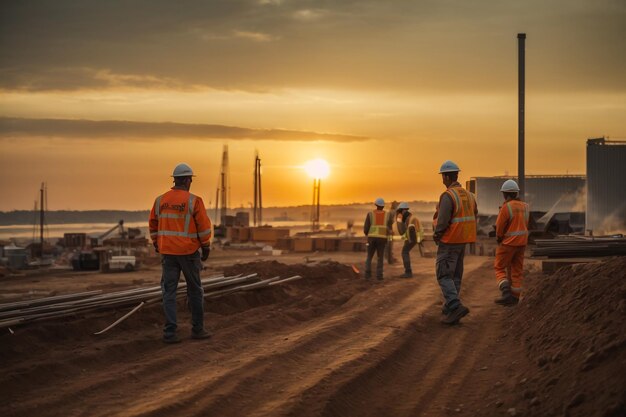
(332, 345)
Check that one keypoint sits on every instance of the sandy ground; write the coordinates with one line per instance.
(328, 345)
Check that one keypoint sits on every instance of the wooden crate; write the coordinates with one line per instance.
(267, 234)
(319, 244)
(284, 243)
(346, 245)
(303, 245)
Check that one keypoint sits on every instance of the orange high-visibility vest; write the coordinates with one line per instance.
(512, 223)
(179, 223)
(462, 227)
(378, 228)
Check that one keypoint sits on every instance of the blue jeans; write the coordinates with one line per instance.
(450, 272)
(190, 265)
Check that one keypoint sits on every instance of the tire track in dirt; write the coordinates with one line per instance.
(428, 373)
(377, 352)
(318, 349)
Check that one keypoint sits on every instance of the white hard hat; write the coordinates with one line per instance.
(449, 166)
(379, 202)
(509, 186)
(182, 170)
(403, 205)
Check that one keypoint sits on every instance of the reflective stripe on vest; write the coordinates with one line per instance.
(187, 216)
(518, 233)
(462, 228)
(411, 222)
(525, 213)
(377, 230)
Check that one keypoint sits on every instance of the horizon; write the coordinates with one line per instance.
(385, 92)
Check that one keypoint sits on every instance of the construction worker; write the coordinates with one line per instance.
(179, 227)
(411, 231)
(455, 225)
(389, 248)
(512, 236)
(376, 227)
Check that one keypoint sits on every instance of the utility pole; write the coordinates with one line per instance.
(258, 200)
(224, 186)
(315, 208)
(41, 216)
(521, 52)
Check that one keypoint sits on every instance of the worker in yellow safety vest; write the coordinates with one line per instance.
(512, 236)
(377, 227)
(391, 259)
(411, 231)
(179, 228)
(454, 227)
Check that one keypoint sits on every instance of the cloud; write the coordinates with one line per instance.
(123, 129)
(255, 36)
(70, 78)
(308, 14)
(391, 45)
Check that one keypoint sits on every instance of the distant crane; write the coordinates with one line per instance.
(223, 189)
(41, 220)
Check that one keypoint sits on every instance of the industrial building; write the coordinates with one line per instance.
(606, 171)
(550, 194)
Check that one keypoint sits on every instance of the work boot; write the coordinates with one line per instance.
(506, 299)
(455, 315)
(407, 275)
(203, 334)
(171, 339)
(444, 309)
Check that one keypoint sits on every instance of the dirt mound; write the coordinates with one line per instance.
(573, 331)
(268, 269)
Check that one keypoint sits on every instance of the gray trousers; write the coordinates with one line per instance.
(406, 255)
(450, 272)
(375, 245)
(190, 265)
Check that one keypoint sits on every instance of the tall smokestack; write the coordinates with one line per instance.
(521, 49)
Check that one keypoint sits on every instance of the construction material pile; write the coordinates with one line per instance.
(573, 329)
(18, 313)
(580, 246)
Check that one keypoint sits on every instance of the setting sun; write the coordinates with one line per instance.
(317, 169)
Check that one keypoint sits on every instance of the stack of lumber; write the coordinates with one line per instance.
(22, 312)
(580, 246)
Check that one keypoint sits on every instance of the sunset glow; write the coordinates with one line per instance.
(317, 169)
(387, 91)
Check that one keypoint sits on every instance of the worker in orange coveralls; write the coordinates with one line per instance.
(512, 235)
(179, 228)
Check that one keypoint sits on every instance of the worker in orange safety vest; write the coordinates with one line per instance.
(512, 236)
(454, 227)
(179, 228)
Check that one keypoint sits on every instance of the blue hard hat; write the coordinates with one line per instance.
(379, 202)
(449, 166)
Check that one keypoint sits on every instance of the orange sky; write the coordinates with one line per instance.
(384, 91)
